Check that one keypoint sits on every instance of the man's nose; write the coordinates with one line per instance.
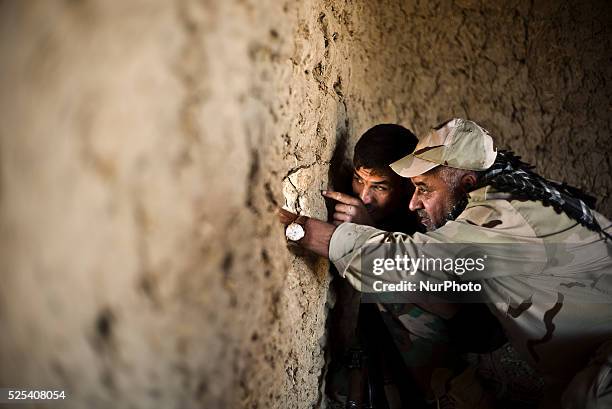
(415, 202)
(365, 195)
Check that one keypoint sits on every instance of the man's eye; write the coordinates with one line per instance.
(380, 188)
(358, 180)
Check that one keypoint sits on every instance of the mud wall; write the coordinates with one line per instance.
(145, 145)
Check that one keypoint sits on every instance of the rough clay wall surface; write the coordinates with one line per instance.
(144, 146)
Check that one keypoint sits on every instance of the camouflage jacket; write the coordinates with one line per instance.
(556, 313)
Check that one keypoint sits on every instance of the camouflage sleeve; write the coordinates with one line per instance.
(506, 255)
(349, 239)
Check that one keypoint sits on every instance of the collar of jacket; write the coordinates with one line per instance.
(487, 193)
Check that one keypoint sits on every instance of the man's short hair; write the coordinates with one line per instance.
(382, 145)
(452, 176)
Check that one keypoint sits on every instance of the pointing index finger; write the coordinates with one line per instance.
(341, 197)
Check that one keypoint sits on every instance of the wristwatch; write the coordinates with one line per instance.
(295, 231)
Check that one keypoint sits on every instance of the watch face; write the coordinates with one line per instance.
(294, 232)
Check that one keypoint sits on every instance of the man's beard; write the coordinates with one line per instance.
(425, 220)
(457, 206)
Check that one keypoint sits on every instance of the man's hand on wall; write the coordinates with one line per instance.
(349, 209)
(286, 217)
(318, 233)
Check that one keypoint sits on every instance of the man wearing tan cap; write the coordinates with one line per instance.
(443, 168)
(548, 275)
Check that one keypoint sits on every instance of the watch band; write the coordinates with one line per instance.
(301, 220)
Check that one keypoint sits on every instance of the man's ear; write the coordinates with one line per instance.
(468, 181)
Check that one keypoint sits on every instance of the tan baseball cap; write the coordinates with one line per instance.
(457, 143)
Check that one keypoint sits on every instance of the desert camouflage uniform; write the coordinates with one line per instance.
(559, 318)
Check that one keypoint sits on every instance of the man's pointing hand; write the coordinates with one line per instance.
(349, 209)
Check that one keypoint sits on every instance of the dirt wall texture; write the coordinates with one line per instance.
(145, 145)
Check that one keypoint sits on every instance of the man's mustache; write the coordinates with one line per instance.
(422, 214)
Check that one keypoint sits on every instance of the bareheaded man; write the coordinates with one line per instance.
(387, 332)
